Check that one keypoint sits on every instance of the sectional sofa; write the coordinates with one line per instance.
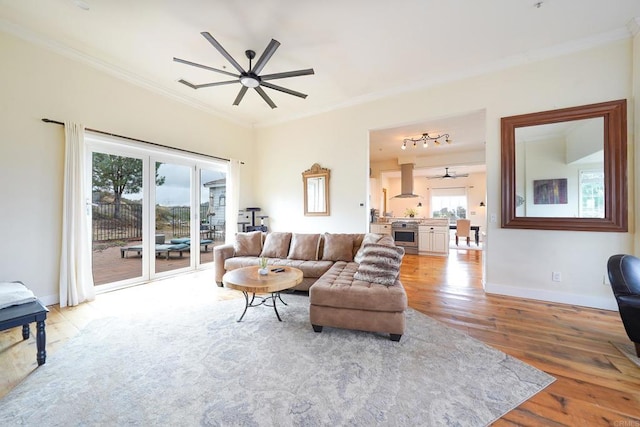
(352, 279)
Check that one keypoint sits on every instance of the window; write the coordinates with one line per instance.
(449, 203)
(591, 194)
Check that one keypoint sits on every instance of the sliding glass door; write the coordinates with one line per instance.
(173, 217)
(213, 202)
(117, 219)
(154, 212)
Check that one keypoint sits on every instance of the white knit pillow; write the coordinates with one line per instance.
(380, 264)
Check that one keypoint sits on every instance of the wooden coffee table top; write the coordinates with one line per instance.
(248, 279)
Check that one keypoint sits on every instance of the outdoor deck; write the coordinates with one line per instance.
(109, 266)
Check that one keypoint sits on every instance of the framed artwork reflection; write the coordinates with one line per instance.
(550, 191)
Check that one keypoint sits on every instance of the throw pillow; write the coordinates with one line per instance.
(276, 245)
(338, 247)
(248, 244)
(380, 264)
(368, 239)
(304, 247)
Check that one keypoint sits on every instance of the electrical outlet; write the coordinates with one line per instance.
(556, 276)
(605, 280)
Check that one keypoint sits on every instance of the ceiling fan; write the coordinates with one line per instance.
(250, 78)
(448, 175)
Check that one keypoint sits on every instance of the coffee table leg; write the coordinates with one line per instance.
(246, 303)
(25, 332)
(273, 299)
(281, 300)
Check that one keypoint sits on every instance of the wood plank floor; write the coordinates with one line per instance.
(595, 386)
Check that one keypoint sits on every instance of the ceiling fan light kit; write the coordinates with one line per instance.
(425, 138)
(251, 78)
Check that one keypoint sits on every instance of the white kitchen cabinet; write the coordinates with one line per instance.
(433, 238)
(381, 229)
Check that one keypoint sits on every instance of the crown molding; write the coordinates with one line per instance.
(110, 69)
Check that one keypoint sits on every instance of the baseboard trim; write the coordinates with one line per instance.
(49, 299)
(553, 296)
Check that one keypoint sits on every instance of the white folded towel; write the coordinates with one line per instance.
(14, 293)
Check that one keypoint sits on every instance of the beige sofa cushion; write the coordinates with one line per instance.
(380, 264)
(338, 288)
(338, 247)
(276, 245)
(304, 246)
(310, 269)
(248, 244)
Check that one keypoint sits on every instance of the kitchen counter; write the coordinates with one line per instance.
(419, 220)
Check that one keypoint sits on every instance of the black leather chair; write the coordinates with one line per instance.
(624, 275)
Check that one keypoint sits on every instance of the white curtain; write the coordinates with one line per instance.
(233, 200)
(76, 279)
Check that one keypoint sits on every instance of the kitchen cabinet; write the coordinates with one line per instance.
(433, 238)
(381, 228)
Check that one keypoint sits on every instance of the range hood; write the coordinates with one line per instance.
(406, 182)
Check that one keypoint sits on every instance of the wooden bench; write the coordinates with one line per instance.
(23, 315)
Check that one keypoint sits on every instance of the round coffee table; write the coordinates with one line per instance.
(248, 280)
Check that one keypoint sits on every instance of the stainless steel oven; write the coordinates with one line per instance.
(405, 234)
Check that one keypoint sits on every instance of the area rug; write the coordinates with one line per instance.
(198, 366)
(628, 350)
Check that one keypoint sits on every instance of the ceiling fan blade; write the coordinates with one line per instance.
(184, 61)
(265, 97)
(224, 53)
(243, 90)
(283, 89)
(266, 55)
(296, 73)
(184, 82)
(228, 82)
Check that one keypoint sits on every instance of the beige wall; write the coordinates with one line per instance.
(518, 262)
(36, 83)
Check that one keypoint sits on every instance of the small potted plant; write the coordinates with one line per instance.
(263, 266)
(410, 212)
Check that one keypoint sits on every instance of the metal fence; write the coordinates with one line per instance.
(109, 226)
(128, 225)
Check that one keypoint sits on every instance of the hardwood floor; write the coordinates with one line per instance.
(595, 384)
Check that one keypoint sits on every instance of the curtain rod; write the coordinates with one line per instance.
(139, 140)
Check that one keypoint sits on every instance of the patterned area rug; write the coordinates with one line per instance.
(200, 367)
(628, 350)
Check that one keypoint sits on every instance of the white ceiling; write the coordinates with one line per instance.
(360, 49)
(466, 133)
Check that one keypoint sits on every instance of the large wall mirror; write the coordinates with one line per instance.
(316, 191)
(566, 169)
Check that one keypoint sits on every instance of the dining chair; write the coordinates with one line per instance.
(463, 229)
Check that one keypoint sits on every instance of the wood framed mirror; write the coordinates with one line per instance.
(316, 191)
(566, 169)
